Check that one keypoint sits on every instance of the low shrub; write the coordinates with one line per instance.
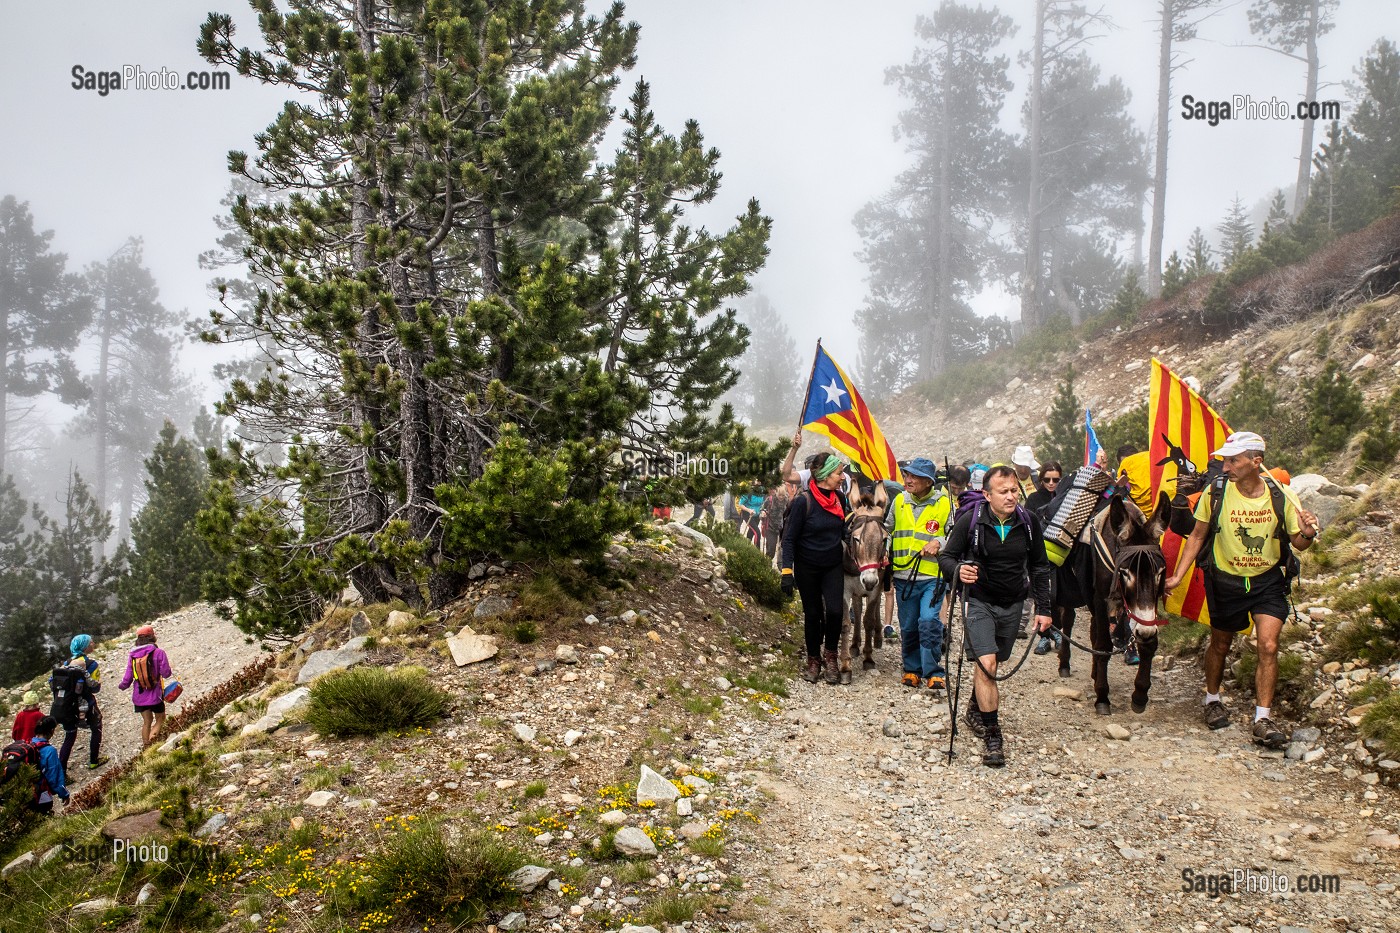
(430, 877)
(371, 700)
(1382, 722)
(749, 567)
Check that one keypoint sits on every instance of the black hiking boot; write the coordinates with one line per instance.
(992, 754)
(974, 721)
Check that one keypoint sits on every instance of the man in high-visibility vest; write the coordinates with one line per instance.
(918, 523)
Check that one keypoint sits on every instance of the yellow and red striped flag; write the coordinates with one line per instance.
(1184, 428)
(835, 408)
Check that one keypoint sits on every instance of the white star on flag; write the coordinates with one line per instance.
(834, 393)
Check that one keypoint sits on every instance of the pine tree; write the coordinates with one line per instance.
(1370, 174)
(1063, 439)
(1277, 244)
(24, 644)
(1130, 297)
(135, 385)
(1236, 233)
(43, 309)
(168, 557)
(1381, 442)
(1178, 22)
(1336, 410)
(1174, 275)
(770, 379)
(471, 265)
(1291, 26)
(929, 243)
(1278, 214)
(75, 585)
(1198, 256)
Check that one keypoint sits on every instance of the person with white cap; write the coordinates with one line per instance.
(1245, 525)
(1025, 463)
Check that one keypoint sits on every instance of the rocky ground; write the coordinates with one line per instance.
(873, 829)
(830, 808)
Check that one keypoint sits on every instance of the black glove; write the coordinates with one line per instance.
(788, 585)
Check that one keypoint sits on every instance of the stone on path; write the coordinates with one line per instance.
(469, 647)
(652, 786)
(634, 843)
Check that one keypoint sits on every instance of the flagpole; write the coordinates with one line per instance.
(816, 355)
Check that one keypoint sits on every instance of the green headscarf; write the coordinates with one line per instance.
(832, 464)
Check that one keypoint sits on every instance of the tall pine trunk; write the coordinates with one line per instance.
(1305, 146)
(1030, 284)
(100, 399)
(4, 383)
(1159, 179)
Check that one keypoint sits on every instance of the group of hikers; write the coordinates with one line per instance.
(75, 686)
(981, 529)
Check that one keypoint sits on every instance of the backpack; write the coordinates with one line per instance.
(1287, 561)
(70, 695)
(144, 672)
(15, 756)
(976, 548)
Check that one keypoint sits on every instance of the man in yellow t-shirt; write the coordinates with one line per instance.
(1245, 577)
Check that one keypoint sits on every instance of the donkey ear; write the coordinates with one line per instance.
(1118, 521)
(1161, 518)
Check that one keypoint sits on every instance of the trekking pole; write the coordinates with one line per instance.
(955, 694)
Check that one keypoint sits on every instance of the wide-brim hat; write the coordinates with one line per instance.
(922, 466)
(1024, 458)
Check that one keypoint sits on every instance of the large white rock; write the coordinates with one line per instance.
(469, 647)
(23, 863)
(324, 662)
(652, 786)
(530, 877)
(676, 528)
(320, 798)
(634, 843)
(280, 710)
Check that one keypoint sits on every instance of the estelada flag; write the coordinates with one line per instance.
(1184, 428)
(835, 408)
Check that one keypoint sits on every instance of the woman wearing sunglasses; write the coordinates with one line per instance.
(1046, 484)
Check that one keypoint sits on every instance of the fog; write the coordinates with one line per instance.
(794, 96)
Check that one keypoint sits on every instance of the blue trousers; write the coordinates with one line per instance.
(920, 628)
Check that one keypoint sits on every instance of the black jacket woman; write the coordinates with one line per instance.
(811, 562)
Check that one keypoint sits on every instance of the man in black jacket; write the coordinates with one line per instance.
(997, 552)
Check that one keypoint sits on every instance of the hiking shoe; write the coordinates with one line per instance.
(992, 754)
(975, 723)
(1268, 734)
(1130, 655)
(889, 631)
(813, 673)
(936, 682)
(831, 668)
(1022, 635)
(1045, 645)
(911, 679)
(94, 765)
(1217, 716)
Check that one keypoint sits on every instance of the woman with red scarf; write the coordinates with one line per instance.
(811, 562)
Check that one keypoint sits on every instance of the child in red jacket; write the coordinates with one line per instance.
(27, 718)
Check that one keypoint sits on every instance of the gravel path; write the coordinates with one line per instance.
(204, 651)
(867, 828)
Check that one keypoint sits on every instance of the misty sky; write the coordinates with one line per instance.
(793, 95)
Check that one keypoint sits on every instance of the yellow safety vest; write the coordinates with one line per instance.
(916, 524)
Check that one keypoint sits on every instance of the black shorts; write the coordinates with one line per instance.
(152, 707)
(1232, 600)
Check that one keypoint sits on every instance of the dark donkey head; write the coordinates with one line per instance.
(1139, 569)
(865, 552)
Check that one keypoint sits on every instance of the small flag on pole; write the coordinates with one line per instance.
(1091, 440)
(835, 408)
